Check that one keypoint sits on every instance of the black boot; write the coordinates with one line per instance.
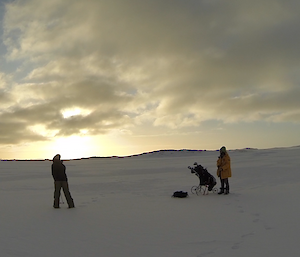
(226, 191)
(227, 187)
(221, 191)
(222, 186)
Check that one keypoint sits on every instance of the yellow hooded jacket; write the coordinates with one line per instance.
(224, 169)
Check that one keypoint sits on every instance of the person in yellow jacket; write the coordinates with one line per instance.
(224, 170)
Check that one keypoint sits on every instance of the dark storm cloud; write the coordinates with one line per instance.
(171, 63)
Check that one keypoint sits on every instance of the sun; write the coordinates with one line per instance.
(73, 147)
(67, 113)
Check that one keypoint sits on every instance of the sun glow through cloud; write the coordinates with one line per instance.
(74, 147)
(67, 113)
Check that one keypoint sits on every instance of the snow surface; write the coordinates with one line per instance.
(124, 207)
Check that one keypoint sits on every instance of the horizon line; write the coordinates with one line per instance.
(151, 152)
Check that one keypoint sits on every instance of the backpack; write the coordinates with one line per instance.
(180, 194)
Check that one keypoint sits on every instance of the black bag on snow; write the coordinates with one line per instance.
(180, 194)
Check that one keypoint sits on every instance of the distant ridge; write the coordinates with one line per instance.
(155, 152)
(114, 156)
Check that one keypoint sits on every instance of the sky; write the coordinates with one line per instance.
(100, 78)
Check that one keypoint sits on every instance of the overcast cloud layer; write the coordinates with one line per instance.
(120, 64)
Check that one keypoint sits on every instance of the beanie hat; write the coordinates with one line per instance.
(223, 149)
(56, 157)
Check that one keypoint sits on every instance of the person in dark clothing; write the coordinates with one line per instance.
(60, 181)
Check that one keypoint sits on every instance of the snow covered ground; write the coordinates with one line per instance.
(124, 207)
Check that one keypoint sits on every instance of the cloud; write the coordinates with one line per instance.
(130, 63)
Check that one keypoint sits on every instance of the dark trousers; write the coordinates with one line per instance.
(224, 184)
(57, 187)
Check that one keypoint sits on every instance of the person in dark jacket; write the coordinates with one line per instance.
(60, 181)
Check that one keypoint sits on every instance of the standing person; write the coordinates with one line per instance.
(60, 181)
(224, 170)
